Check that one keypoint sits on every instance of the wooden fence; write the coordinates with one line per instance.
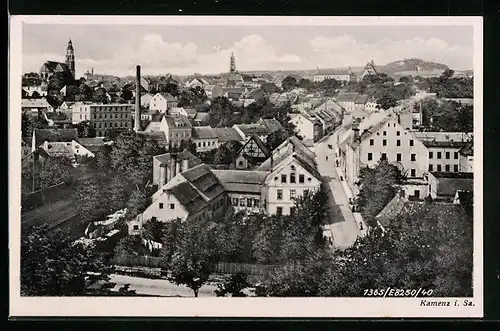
(226, 268)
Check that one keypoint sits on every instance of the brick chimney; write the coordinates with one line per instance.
(137, 120)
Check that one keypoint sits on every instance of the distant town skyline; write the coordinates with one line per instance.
(184, 50)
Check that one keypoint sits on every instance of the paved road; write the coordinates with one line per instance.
(343, 224)
(159, 287)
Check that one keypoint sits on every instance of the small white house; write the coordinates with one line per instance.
(162, 102)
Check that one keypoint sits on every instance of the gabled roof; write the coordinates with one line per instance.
(34, 103)
(60, 149)
(254, 128)
(178, 122)
(241, 180)
(347, 97)
(227, 134)
(450, 182)
(55, 135)
(168, 96)
(188, 197)
(158, 136)
(204, 132)
(202, 178)
(271, 124)
(52, 65)
(259, 143)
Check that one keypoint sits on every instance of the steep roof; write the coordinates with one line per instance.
(254, 128)
(271, 124)
(168, 96)
(34, 103)
(203, 132)
(158, 136)
(202, 178)
(188, 197)
(259, 143)
(451, 182)
(361, 99)
(98, 141)
(178, 121)
(60, 149)
(52, 65)
(241, 180)
(227, 134)
(347, 97)
(55, 135)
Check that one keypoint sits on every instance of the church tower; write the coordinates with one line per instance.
(232, 65)
(70, 58)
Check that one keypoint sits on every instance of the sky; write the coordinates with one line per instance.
(184, 50)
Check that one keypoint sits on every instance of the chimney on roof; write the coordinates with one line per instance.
(163, 174)
(137, 120)
(185, 165)
(355, 130)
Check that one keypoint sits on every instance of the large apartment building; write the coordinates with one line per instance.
(103, 117)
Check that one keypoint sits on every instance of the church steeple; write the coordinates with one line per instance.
(232, 65)
(70, 58)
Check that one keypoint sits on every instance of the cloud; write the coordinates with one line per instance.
(158, 56)
(345, 51)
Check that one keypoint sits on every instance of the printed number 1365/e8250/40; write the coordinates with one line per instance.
(396, 292)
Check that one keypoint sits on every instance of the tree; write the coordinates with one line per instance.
(89, 199)
(154, 230)
(58, 80)
(55, 170)
(226, 153)
(84, 93)
(31, 79)
(192, 96)
(170, 239)
(86, 129)
(100, 96)
(126, 94)
(377, 187)
(128, 245)
(52, 264)
(233, 285)
(386, 101)
(406, 79)
(192, 262)
(289, 83)
(274, 139)
(137, 203)
(447, 74)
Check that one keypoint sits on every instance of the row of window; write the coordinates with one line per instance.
(111, 125)
(208, 143)
(113, 108)
(413, 157)
(293, 178)
(446, 167)
(183, 134)
(446, 155)
(246, 202)
(293, 194)
(171, 206)
(398, 141)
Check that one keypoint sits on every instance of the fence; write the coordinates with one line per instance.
(226, 268)
(47, 195)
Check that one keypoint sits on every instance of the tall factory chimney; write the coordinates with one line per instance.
(137, 121)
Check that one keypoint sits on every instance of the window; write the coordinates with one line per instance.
(455, 167)
(80, 116)
(413, 157)
(388, 125)
(105, 115)
(292, 167)
(372, 142)
(447, 155)
(384, 133)
(242, 202)
(398, 133)
(398, 142)
(280, 195)
(161, 205)
(292, 194)
(256, 203)
(411, 142)
(199, 143)
(430, 167)
(431, 155)
(283, 178)
(384, 142)
(249, 202)
(438, 167)
(447, 167)
(235, 201)
(370, 156)
(292, 178)
(172, 206)
(438, 155)
(240, 163)
(412, 172)
(136, 227)
(455, 155)
(279, 211)
(292, 211)
(301, 179)
(204, 144)
(398, 157)
(384, 156)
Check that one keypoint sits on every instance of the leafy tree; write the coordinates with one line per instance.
(170, 239)
(289, 83)
(377, 187)
(137, 203)
(52, 264)
(100, 96)
(192, 262)
(305, 83)
(58, 80)
(31, 79)
(88, 197)
(386, 101)
(233, 285)
(226, 153)
(128, 245)
(54, 170)
(154, 230)
(85, 129)
(126, 94)
(447, 74)
(275, 139)
(406, 79)
(192, 96)
(84, 93)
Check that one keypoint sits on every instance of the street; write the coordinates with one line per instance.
(159, 287)
(343, 225)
